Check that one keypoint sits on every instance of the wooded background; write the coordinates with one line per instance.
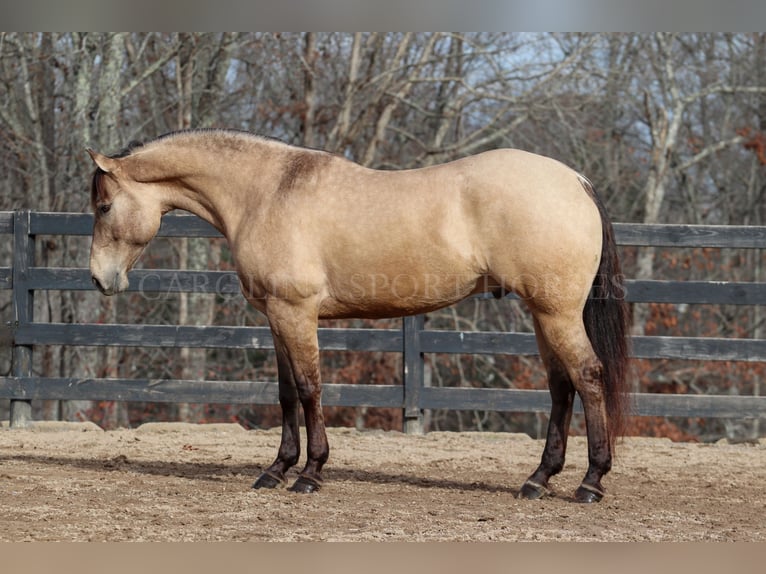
(671, 128)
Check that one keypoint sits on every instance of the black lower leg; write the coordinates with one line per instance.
(590, 490)
(599, 445)
(289, 451)
(562, 397)
(317, 450)
(289, 447)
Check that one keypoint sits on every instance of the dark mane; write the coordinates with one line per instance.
(222, 133)
(128, 149)
(231, 132)
(302, 161)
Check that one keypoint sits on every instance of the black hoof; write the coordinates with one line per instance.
(305, 485)
(532, 491)
(268, 480)
(588, 494)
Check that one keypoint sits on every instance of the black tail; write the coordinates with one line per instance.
(607, 321)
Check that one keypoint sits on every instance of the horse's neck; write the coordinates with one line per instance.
(204, 183)
(196, 201)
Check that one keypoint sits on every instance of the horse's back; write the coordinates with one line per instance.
(421, 239)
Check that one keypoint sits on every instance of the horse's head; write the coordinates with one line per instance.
(127, 216)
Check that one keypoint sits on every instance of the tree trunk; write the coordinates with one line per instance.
(102, 362)
(309, 89)
(198, 54)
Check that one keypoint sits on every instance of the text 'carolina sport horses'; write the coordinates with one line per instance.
(316, 236)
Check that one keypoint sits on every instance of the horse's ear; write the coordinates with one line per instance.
(103, 162)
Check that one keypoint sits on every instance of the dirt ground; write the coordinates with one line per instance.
(172, 482)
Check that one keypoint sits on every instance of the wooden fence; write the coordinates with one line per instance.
(23, 333)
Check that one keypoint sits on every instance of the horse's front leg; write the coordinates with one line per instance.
(290, 447)
(294, 326)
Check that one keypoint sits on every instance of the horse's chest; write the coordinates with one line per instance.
(274, 271)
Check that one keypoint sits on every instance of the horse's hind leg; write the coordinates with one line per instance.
(562, 399)
(567, 340)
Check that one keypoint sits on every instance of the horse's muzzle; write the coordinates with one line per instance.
(100, 287)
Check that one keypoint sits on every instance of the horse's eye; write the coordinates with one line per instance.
(104, 209)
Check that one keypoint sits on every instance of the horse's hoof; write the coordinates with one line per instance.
(588, 494)
(532, 491)
(268, 480)
(306, 485)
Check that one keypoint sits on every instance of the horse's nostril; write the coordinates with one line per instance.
(97, 283)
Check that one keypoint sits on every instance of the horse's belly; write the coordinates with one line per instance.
(377, 295)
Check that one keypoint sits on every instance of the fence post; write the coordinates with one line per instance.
(413, 374)
(23, 309)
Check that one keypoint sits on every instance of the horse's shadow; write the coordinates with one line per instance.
(216, 472)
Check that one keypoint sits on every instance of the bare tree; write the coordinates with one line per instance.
(683, 80)
(668, 126)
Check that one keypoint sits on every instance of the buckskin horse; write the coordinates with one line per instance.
(315, 235)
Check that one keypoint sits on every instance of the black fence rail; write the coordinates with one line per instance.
(24, 334)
